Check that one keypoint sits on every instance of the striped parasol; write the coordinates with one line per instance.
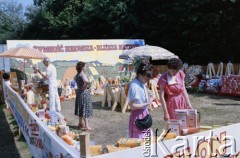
(24, 53)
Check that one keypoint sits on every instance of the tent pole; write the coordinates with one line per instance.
(24, 70)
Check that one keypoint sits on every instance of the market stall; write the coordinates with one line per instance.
(145, 54)
(41, 139)
(214, 82)
(23, 53)
(46, 132)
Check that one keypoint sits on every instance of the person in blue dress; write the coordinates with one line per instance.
(83, 104)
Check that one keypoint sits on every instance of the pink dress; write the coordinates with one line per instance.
(134, 132)
(175, 95)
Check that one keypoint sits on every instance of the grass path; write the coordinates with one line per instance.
(11, 145)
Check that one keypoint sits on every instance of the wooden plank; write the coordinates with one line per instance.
(123, 98)
(104, 95)
(85, 145)
(117, 96)
(125, 105)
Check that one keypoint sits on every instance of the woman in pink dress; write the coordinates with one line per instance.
(139, 100)
(173, 94)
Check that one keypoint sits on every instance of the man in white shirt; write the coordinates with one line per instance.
(51, 75)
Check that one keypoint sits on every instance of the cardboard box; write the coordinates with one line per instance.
(175, 126)
(192, 118)
(182, 115)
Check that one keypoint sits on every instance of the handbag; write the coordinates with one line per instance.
(144, 123)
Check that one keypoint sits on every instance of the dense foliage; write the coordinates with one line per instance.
(199, 31)
(11, 20)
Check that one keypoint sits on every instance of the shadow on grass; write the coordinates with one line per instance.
(215, 96)
(73, 127)
(226, 104)
(98, 106)
(7, 143)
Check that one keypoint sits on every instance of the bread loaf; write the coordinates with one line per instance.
(67, 139)
(96, 150)
(113, 148)
(130, 142)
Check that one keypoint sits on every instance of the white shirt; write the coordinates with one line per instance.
(51, 74)
(171, 79)
(137, 92)
(5, 83)
(8, 82)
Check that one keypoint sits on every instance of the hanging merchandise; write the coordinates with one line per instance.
(192, 75)
(210, 71)
(220, 70)
(229, 69)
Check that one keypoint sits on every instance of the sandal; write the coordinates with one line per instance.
(82, 127)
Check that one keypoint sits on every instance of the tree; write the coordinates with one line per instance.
(50, 19)
(198, 31)
(11, 20)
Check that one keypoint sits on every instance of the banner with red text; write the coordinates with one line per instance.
(103, 51)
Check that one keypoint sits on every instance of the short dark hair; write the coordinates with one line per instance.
(175, 64)
(80, 66)
(145, 70)
(6, 76)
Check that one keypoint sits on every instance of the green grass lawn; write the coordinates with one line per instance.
(11, 144)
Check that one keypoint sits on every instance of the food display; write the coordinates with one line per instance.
(57, 123)
(186, 122)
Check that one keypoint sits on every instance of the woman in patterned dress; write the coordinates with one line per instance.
(139, 100)
(172, 87)
(83, 104)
